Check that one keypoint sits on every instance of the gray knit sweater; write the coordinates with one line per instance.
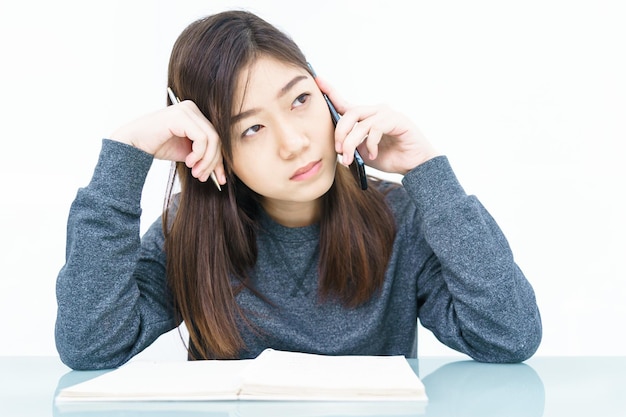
(451, 268)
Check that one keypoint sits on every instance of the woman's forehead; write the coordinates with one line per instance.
(265, 78)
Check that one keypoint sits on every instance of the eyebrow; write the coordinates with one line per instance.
(284, 90)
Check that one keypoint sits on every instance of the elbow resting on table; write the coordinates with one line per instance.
(518, 346)
(85, 357)
(83, 361)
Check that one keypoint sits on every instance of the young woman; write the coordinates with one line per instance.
(291, 253)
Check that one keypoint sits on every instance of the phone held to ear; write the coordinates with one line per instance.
(357, 167)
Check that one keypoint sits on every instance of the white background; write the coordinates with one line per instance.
(527, 99)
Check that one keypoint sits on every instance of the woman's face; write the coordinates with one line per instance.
(283, 136)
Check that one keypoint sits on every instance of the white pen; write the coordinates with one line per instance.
(174, 100)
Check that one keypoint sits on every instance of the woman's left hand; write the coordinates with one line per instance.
(386, 139)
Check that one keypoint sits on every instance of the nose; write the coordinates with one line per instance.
(291, 141)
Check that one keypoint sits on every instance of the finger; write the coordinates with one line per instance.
(351, 118)
(206, 155)
(203, 137)
(206, 173)
(203, 168)
(197, 130)
(187, 130)
(373, 140)
(352, 130)
(358, 134)
(199, 150)
(220, 171)
(340, 104)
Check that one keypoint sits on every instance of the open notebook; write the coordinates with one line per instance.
(273, 375)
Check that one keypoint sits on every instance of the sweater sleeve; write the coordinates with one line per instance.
(471, 293)
(111, 293)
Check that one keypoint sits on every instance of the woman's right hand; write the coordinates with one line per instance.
(178, 133)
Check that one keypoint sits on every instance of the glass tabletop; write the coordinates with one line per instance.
(542, 386)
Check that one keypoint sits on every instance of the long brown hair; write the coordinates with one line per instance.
(211, 239)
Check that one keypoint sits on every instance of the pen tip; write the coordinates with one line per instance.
(214, 178)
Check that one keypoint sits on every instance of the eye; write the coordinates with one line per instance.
(252, 130)
(301, 99)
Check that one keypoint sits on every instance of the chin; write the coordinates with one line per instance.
(313, 190)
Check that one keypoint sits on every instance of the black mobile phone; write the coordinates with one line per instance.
(357, 167)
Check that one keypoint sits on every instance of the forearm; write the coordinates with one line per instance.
(473, 295)
(102, 318)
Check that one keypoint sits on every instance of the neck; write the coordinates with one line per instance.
(293, 214)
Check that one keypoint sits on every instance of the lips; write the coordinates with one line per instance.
(306, 171)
